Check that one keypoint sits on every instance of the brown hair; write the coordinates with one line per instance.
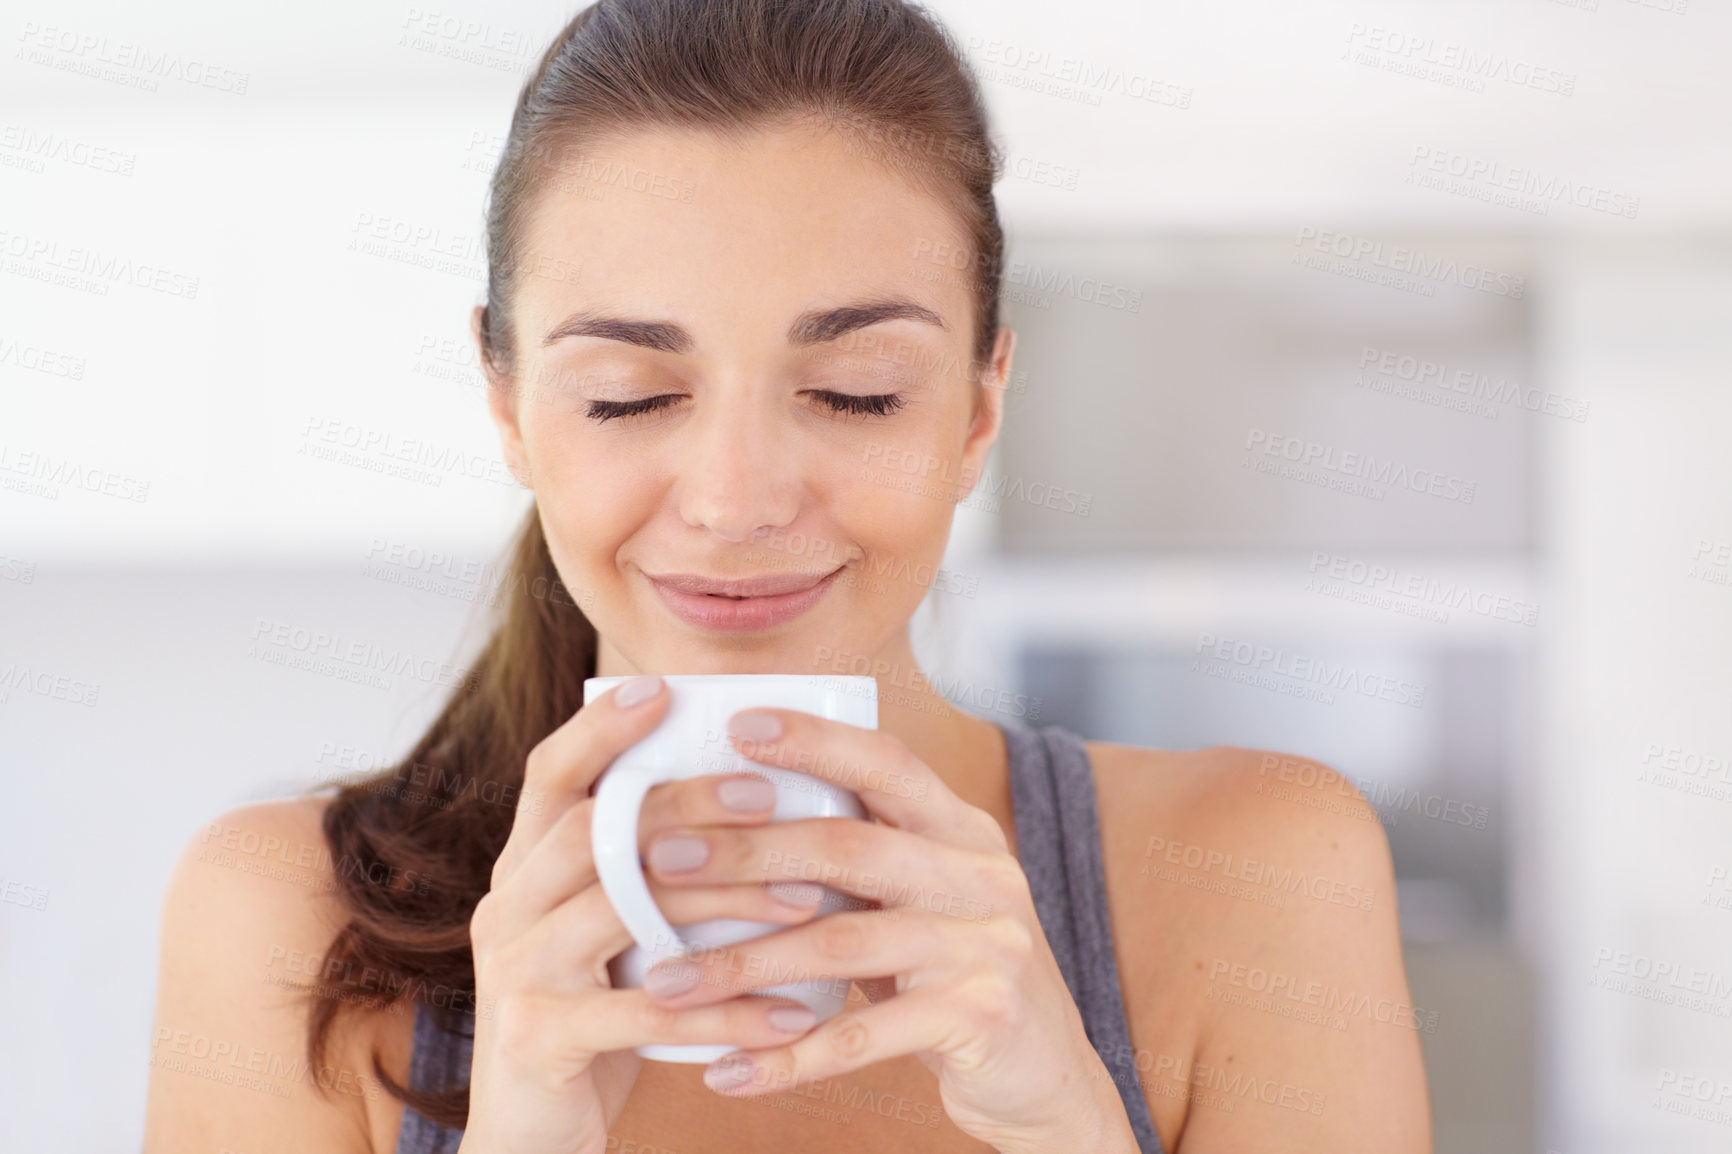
(423, 834)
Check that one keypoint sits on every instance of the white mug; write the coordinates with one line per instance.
(692, 741)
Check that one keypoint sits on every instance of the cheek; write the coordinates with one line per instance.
(590, 502)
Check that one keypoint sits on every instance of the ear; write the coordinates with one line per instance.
(988, 410)
(502, 404)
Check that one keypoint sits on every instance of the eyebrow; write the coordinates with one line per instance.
(814, 327)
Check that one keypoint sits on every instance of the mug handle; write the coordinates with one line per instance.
(619, 798)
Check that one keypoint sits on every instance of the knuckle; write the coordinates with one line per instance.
(902, 759)
(517, 1020)
(1012, 939)
(572, 826)
(483, 922)
(657, 1022)
(989, 830)
(503, 966)
(691, 802)
(539, 764)
(848, 840)
(849, 1038)
(1001, 880)
(992, 1000)
(840, 938)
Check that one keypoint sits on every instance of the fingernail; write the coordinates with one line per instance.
(637, 691)
(671, 978)
(802, 894)
(793, 1019)
(753, 725)
(672, 855)
(726, 1073)
(746, 794)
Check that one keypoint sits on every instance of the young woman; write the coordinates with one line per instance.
(725, 312)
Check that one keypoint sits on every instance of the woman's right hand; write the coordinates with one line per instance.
(553, 1062)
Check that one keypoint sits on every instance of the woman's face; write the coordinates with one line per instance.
(742, 361)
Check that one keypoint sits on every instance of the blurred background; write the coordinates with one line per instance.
(1370, 343)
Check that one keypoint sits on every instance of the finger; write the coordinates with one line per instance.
(894, 785)
(549, 1029)
(562, 865)
(832, 949)
(713, 799)
(573, 944)
(910, 1023)
(563, 765)
(878, 863)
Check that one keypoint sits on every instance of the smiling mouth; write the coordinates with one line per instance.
(743, 588)
(745, 604)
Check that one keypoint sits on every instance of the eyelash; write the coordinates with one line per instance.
(874, 405)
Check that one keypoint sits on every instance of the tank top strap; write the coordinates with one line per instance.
(438, 1060)
(1059, 845)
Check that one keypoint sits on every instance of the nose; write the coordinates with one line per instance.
(739, 471)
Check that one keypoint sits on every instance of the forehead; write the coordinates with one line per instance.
(759, 226)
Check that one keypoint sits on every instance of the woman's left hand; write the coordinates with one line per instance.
(977, 994)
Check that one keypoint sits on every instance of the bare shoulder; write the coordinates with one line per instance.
(1254, 916)
(249, 914)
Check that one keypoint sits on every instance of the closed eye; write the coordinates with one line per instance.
(872, 404)
(608, 410)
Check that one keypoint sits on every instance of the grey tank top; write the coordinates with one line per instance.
(1058, 842)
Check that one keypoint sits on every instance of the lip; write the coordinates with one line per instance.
(741, 605)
